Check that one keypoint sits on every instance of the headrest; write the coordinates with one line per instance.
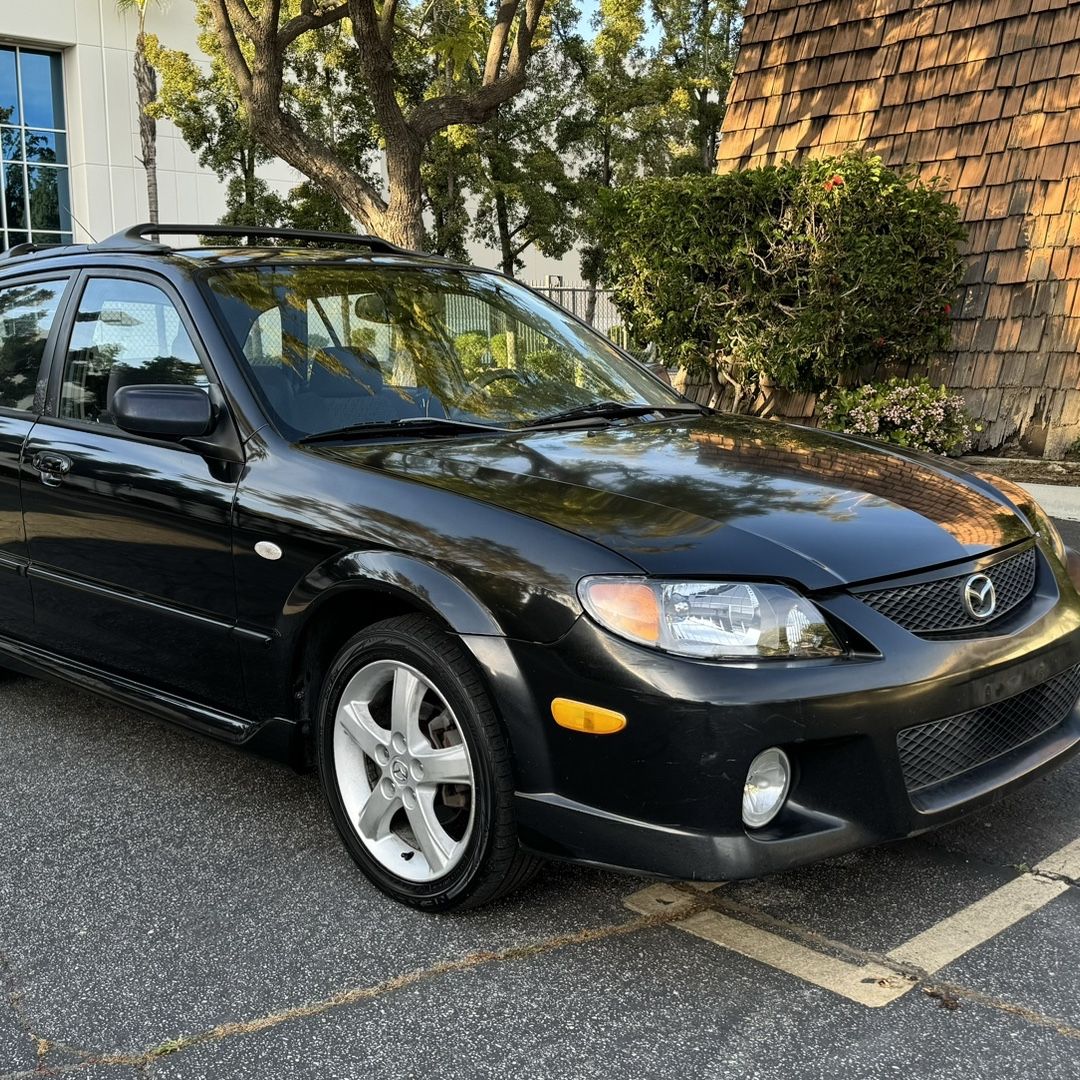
(343, 372)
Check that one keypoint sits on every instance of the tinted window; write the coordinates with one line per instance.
(26, 315)
(42, 89)
(126, 333)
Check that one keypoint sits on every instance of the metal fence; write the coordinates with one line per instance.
(606, 317)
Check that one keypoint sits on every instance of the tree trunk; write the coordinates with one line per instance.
(259, 74)
(590, 300)
(403, 221)
(705, 134)
(146, 87)
(248, 159)
(506, 248)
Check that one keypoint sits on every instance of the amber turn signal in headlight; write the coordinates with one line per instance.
(578, 716)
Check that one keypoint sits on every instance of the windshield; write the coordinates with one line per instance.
(332, 347)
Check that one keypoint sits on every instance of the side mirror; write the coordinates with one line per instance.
(164, 412)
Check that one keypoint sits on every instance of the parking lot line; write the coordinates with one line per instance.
(874, 983)
(869, 984)
(1064, 863)
(976, 924)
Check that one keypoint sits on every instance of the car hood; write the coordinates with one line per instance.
(723, 495)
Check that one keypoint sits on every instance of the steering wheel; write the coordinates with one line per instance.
(482, 382)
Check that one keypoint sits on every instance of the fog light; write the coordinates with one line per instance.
(767, 783)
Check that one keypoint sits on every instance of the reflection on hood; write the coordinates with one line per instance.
(723, 495)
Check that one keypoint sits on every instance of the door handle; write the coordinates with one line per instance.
(52, 467)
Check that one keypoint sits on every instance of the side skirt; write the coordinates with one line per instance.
(277, 737)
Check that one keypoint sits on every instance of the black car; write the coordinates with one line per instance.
(513, 596)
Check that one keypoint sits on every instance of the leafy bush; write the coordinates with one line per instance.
(907, 412)
(802, 273)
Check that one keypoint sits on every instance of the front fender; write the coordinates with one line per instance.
(406, 575)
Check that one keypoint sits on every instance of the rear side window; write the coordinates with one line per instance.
(126, 333)
(26, 316)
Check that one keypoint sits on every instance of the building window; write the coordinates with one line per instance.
(35, 200)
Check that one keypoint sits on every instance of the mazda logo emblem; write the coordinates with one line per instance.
(979, 596)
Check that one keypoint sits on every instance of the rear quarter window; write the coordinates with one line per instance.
(27, 311)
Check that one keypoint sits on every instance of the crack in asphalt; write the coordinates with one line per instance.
(142, 1060)
(14, 1000)
(1050, 875)
(946, 993)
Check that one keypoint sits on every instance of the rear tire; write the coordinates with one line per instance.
(416, 768)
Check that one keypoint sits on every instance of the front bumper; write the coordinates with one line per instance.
(664, 795)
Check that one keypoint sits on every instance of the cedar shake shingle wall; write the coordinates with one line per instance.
(984, 94)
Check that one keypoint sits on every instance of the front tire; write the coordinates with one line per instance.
(416, 768)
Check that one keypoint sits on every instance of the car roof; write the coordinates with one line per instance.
(135, 242)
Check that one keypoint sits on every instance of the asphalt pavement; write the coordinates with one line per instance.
(173, 909)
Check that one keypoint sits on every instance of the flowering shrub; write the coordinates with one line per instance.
(907, 412)
(801, 274)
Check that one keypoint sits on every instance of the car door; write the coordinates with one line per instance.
(29, 307)
(129, 538)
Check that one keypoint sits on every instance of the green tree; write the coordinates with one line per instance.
(695, 57)
(521, 181)
(407, 56)
(651, 92)
(207, 110)
(146, 92)
(612, 129)
(449, 172)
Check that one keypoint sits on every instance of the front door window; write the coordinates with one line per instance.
(126, 333)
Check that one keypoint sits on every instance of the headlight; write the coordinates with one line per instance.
(712, 620)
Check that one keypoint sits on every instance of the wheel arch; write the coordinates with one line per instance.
(356, 590)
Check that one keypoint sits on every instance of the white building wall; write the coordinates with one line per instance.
(107, 179)
(108, 185)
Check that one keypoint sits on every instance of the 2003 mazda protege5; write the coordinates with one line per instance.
(510, 593)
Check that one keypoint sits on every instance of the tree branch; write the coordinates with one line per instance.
(280, 133)
(377, 64)
(311, 17)
(239, 15)
(500, 33)
(386, 21)
(522, 50)
(234, 56)
(438, 113)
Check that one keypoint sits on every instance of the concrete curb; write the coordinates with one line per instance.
(1059, 501)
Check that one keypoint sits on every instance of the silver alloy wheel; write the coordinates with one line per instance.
(404, 771)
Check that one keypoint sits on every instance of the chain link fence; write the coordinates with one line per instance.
(605, 316)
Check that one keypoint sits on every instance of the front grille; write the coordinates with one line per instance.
(944, 749)
(935, 607)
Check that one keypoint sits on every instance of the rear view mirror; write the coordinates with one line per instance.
(163, 412)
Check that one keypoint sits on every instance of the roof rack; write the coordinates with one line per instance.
(134, 239)
(31, 248)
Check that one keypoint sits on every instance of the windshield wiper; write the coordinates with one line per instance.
(612, 410)
(424, 426)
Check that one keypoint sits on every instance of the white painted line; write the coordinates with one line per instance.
(1057, 500)
(872, 984)
(1065, 862)
(659, 897)
(948, 940)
